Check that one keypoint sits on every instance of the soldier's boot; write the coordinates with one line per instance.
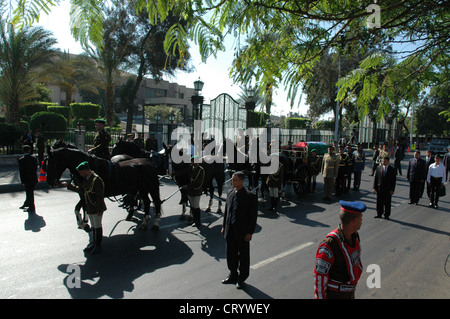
(314, 187)
(90, 246)
(97, 241)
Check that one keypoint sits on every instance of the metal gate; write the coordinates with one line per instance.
(225, 115)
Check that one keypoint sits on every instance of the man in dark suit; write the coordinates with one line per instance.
(28, 177)
(415, 175)
(384, 186)
(239, 223)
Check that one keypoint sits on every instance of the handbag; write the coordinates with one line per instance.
(442, 191)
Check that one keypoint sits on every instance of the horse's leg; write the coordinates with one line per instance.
(211, 195)
(157, 213)
(219, 191)
(147, 202)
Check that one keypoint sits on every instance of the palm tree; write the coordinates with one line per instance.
(25, 55)
(73, 74)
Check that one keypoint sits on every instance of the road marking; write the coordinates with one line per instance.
(282, 255)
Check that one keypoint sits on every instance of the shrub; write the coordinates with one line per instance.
(9, 134)
(31, 109)
(63, 110)
(297, 122)
(85, 110)
(257, 119)
(49, 123)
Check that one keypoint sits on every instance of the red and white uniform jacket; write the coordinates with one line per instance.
(338, 264)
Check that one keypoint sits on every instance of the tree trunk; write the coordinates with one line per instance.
(110, 105)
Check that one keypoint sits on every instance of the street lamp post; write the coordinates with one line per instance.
(197, 100)
(171, 120)
(250, 104)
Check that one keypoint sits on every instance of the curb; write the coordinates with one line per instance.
(18, 187)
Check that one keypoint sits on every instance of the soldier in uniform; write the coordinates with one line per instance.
(101, 141)
(375, 156)
(338, 264)
(195, 189)
(314, 166)
(274, 182)
(329, 171)
(384, 152)
(350, 167)
(92, 188)
(342, 164)
(360, 163)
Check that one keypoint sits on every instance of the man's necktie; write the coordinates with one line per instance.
(233, 208)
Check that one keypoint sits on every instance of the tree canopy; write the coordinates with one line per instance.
(284, 39)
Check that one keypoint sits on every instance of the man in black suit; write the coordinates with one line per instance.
(384, 186)
(239, 223)
(28, 177)
(415, 175)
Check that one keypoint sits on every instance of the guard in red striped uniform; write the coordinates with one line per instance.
(338, 263)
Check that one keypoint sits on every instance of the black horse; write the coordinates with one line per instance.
(160, 159)
(125, 177)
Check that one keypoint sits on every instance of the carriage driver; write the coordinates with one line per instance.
(92, 189)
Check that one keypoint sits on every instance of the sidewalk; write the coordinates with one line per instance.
(10, 179)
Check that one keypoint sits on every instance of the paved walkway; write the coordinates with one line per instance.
(10, 179)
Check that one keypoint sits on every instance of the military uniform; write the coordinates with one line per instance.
(342, 164)
(274, 182)
(92, 189)
(195, 190)
(329, 172)
(350, 169)
(101, 143)
(338, 264)
(314, 166)
(360, 163)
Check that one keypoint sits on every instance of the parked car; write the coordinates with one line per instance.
(438, 146)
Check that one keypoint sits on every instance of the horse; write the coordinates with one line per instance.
(213, 171)
(121, 178)
(160, 159)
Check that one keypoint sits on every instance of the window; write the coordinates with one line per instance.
(155, 93)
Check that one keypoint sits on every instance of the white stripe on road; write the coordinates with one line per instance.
(282, 255)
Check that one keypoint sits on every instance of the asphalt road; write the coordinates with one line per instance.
(41, 254)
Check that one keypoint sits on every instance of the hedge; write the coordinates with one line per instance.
(85, 110)
(63, 110)
(9, 134)
(257, 119)
(48, 123)
(296, 122)
(31, 109)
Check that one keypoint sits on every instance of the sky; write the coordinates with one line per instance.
(214, 73)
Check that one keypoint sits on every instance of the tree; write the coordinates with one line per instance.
(303, 31)
(142, 46)
(72, 74)
(25, 57)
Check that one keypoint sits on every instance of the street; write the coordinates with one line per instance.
(41, 254)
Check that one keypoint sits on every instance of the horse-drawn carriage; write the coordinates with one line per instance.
(298, 166)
